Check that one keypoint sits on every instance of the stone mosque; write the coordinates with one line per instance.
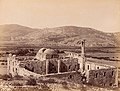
(64, 65)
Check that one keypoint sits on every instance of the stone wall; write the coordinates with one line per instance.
(3, 68)
(26, 73)
(68, 76)
(102, 77)
(36, 66)
(66, 65)
(53, 66)
(70, 64)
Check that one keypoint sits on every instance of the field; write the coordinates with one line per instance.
(109, 53)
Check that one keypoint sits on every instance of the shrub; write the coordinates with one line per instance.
(50, 80)
(31, 81)
(65, 85)
(6, 77)
(18, 77)
(17, 84)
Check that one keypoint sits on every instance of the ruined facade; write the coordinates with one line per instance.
(3, 66)
(52, 66)
(12, 65)
(102, 77)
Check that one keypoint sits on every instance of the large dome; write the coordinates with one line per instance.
(50, 51)
(42, 50)
(47, 51)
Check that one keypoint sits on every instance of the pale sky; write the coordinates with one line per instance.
(103, 15)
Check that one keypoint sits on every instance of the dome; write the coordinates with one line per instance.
(44, 52)
(38, 55)
(41, 50)
(50, 51)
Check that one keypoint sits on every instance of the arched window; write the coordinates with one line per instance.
(13, 69)
(2, 64)
(69, 67)
(70, 76)
(96, 75)
(112, 73)
(104, 73)
(97, 67)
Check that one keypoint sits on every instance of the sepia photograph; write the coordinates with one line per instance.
(59, 45)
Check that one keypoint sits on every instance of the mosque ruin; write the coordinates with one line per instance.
(65, 65)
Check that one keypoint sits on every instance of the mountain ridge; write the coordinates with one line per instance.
(63, 35)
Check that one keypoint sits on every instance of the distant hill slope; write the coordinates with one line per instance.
(65, 35)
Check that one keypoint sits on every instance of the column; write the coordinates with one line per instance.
(116, 77)
(8, 63)
(14, 65)
(59, 66)
(47, 67)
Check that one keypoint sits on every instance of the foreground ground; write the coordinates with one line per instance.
(49, 84)
(57, 87)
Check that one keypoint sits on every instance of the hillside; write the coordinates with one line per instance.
(65, 35)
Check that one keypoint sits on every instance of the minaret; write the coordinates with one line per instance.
(83, 55)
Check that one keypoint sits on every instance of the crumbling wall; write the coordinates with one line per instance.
(66, 65)
(40, 67)
(23, 72)
(70, 64)
(102, 77)
(69, 76)
(36, 66)
(3, 68)
(53, 66)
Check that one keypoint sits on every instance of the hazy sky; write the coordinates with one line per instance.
(103, 15)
